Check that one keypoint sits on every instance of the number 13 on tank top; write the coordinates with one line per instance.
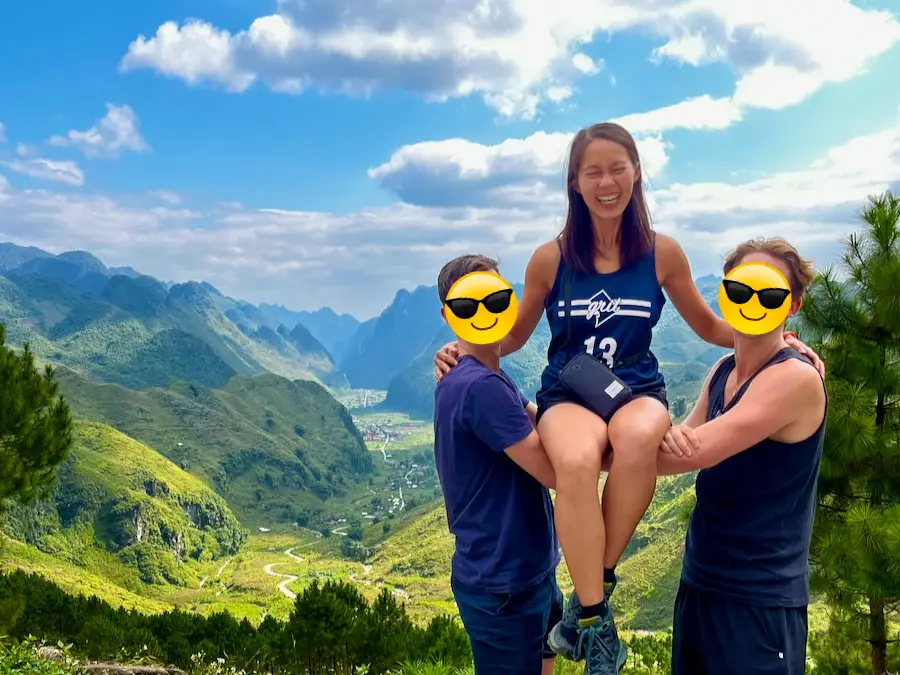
(607, 349)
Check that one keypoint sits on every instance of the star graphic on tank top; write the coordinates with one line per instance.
(601, 308)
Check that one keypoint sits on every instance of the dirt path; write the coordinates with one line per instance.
(383, 453)
(288, 578)
(217, 574)
(368, 582)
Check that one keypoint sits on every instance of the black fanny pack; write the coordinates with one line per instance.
(595, 385)
(598, 388)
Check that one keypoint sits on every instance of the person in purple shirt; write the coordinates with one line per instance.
(495, 477)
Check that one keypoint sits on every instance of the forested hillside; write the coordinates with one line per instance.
(115, 497)
(276, 450)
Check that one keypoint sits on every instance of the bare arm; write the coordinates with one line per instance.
(539, 277)
(531, 410)
(530, 455)
(668, 464)
(788, 397)
(675, 273)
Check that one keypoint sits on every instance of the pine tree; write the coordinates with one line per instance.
(854, 324)
(35, 425)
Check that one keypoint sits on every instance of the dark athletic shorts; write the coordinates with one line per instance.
(718, 637)
(548, 398)
(508, 631)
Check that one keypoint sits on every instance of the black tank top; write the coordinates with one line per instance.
(749, 534)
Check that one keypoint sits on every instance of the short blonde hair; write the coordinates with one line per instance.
(802, 272)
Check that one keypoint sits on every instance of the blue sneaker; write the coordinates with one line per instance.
(599, 645)
(563, 636)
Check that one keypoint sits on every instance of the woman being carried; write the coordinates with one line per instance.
(615, 269)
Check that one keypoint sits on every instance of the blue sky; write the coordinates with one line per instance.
(333, 151)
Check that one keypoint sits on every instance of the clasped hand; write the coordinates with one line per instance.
(680, 440)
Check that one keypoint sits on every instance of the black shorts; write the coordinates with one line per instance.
(508, 631)
(712, 636)
(547, 398)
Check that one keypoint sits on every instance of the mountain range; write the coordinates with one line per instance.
(201, 418)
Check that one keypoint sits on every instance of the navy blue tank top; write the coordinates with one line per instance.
(749, 534)
(612, 318)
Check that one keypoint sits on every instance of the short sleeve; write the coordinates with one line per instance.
(523, 398)
(496, 413)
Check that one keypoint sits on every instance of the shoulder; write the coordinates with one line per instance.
(544, 264)
(546, 255)
(489, 384)
(794, 381)
(666, 245)
(490, 395)
(670, 257)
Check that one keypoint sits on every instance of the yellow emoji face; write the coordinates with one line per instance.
(481, 308)
(755, 298)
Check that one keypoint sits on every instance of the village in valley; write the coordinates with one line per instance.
(405, 475)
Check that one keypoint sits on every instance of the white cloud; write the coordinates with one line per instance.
(782, 50)
(356, 262)
(517, 53)
(2, 133)
(700, 112)
(167, 196)
(23, 150)
(118, 130)
(47, 169)
(516, 172)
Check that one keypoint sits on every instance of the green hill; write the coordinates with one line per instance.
(276, 450)
(117, 500)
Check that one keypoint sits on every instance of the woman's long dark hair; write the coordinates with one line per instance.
(578, 245)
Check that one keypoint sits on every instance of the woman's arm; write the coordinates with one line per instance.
(675, 272)
(539, 276)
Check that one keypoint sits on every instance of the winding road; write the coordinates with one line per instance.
(367, 582)
(217, 574)
(288, 578)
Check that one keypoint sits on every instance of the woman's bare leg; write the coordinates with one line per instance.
(575, 439)
(635, 432)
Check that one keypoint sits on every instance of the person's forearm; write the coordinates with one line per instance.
(670, 465)
(722, 334)
(510, 345)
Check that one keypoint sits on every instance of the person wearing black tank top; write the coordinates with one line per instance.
(615, 269)
(755, 435)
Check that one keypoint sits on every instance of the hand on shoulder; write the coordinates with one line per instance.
(445, 359)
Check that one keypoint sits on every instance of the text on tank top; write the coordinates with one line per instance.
(612, 317)
(749, 534)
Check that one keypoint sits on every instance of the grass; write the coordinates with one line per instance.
(116, 498)
(75, 579)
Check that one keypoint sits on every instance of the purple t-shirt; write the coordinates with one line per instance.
(501, 516)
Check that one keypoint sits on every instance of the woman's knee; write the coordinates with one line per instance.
(575, 443)
(579, 463)
(635, 435)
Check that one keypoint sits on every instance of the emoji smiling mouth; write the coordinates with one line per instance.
(749, 319)
(488, 328)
